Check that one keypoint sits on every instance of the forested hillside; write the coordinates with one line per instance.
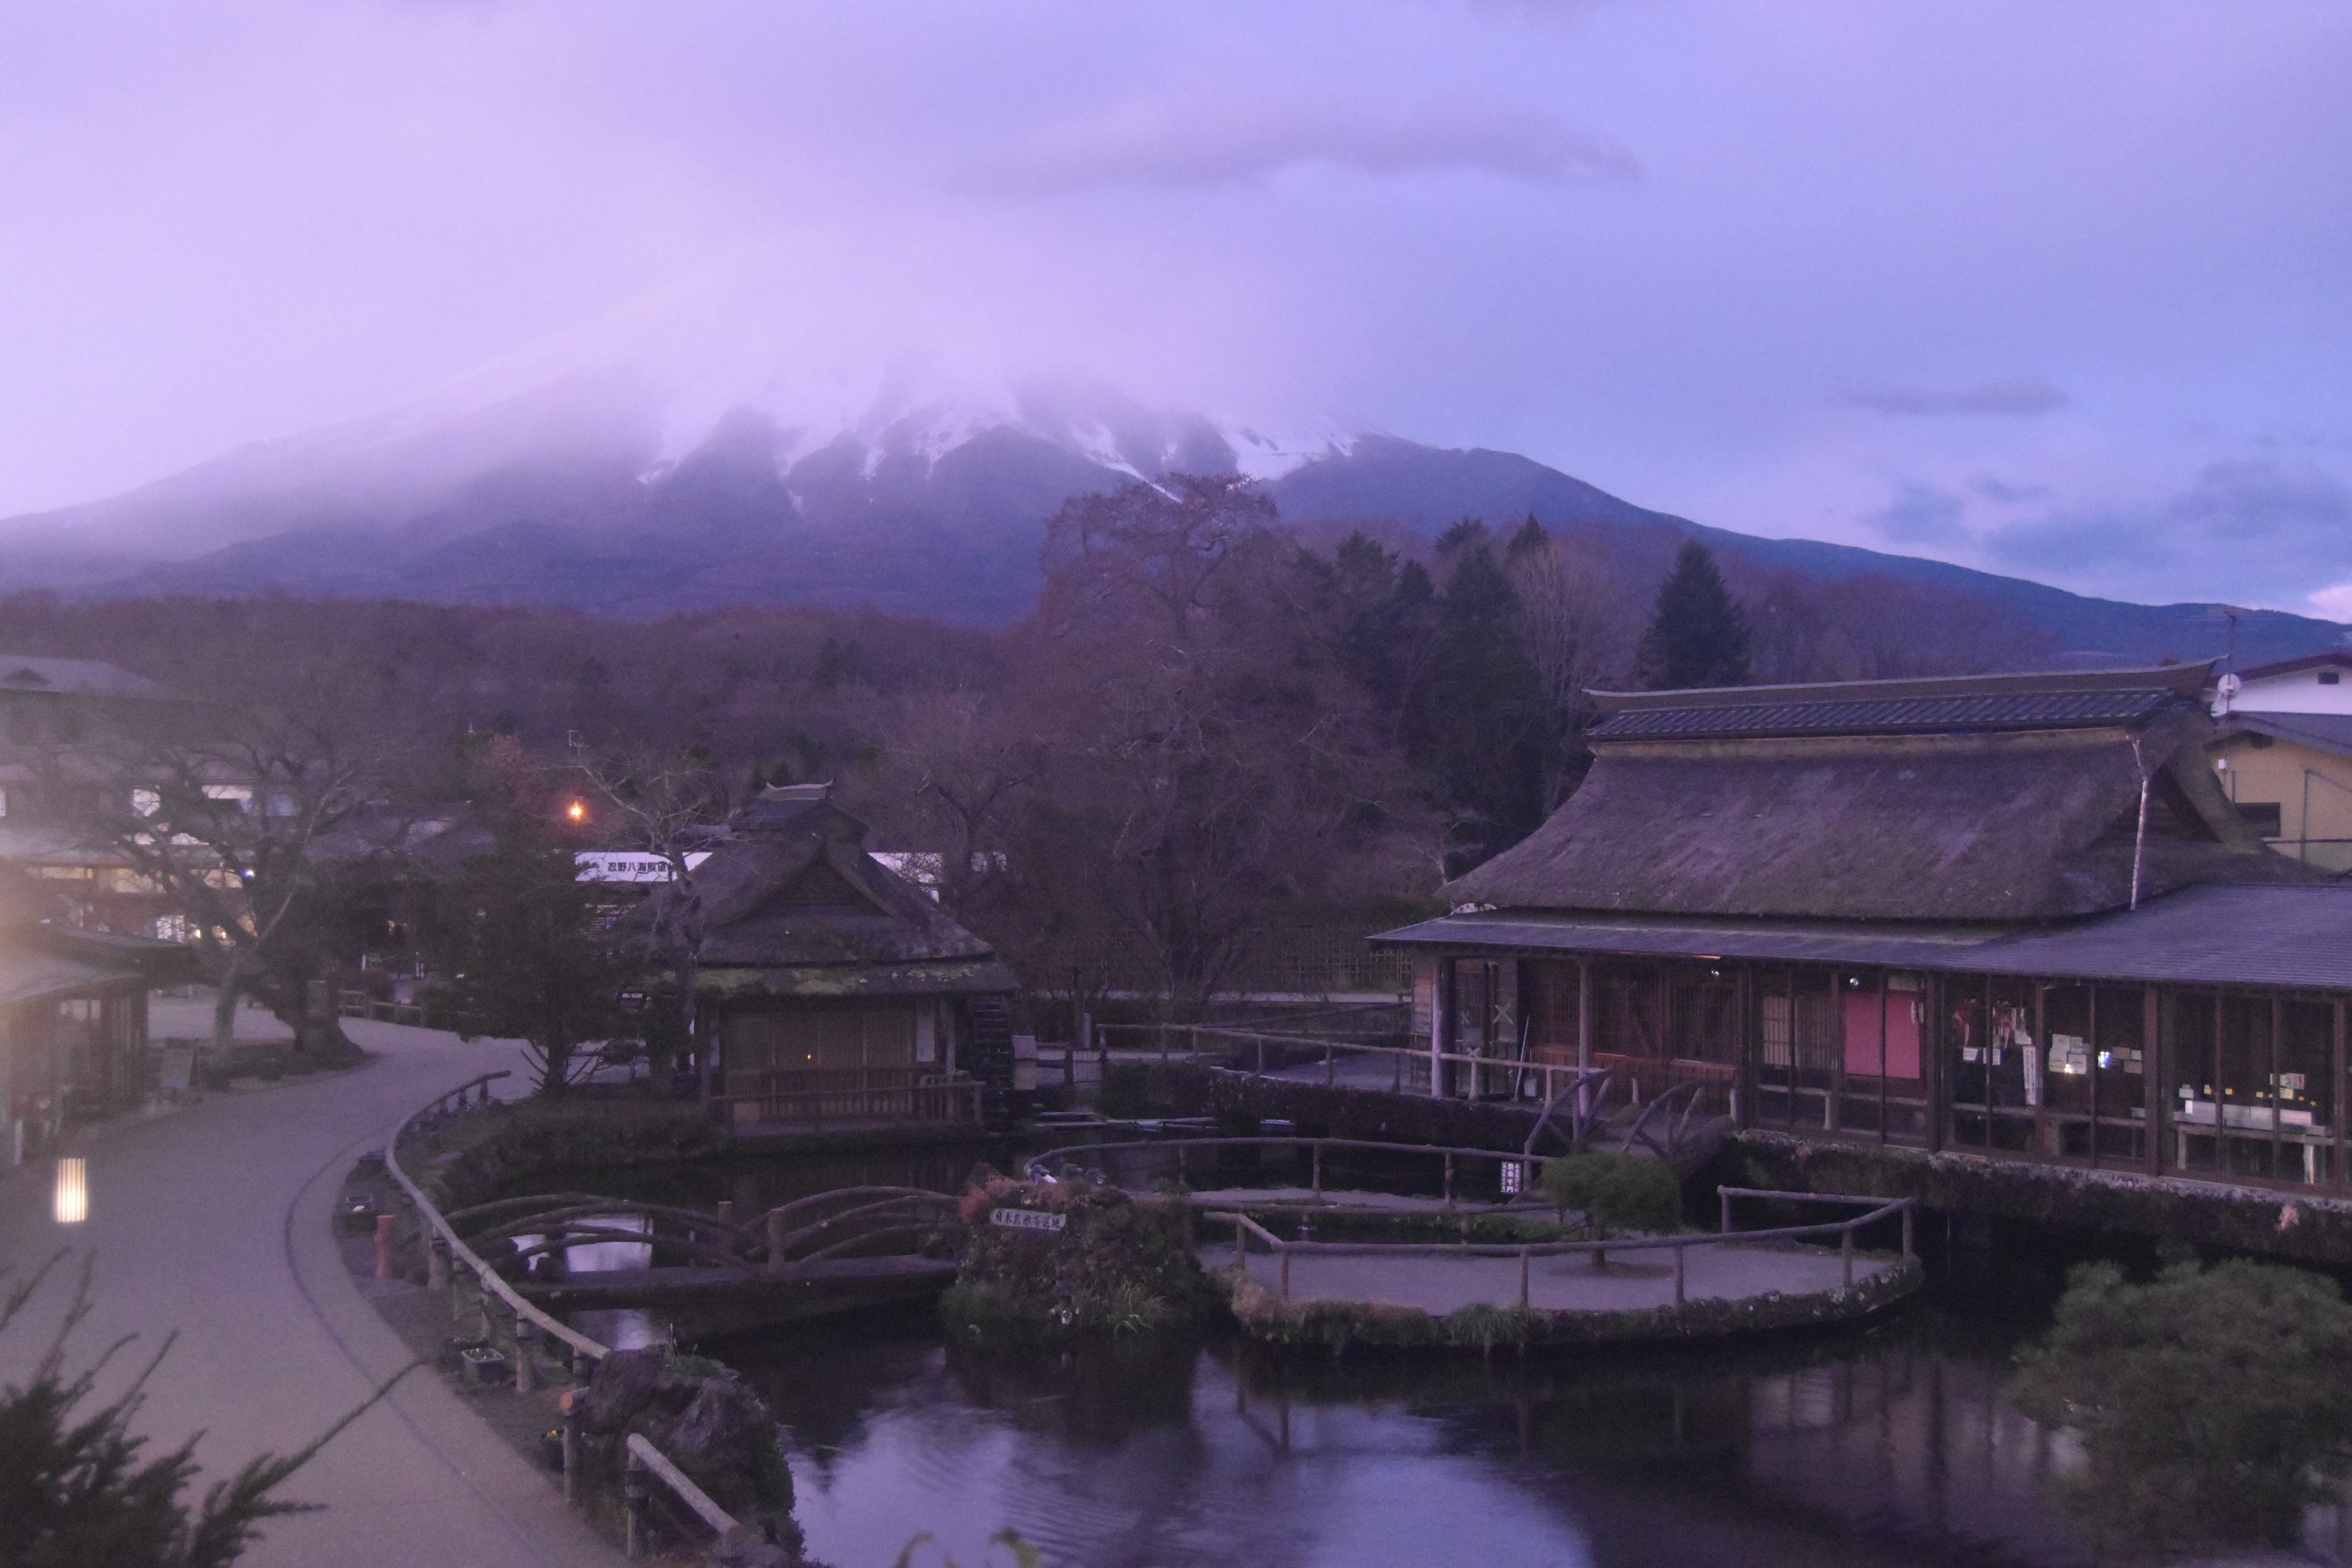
(1209, 724)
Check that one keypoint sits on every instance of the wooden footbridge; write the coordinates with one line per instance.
(837, 1251)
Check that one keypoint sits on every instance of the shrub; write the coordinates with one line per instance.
(74, 1489)
(541, 1146)
(1617, 1194)
(1117, 1266)
(2211, 1402)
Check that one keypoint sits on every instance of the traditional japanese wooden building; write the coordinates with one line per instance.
(73, 1019)
(837, 992)
(2012, 914)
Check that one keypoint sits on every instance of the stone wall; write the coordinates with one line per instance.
(2209, 1214)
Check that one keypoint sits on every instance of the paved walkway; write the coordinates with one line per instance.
(213, 1220)
(1627, 1280)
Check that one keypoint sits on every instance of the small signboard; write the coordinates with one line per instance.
(175, 1065)
(1027, 1219)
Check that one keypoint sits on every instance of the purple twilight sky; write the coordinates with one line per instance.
(2061, 290)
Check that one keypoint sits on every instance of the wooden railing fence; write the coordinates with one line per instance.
(456, 1270)
(1246, 1228)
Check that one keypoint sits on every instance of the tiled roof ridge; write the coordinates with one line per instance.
(1841, 714)
(2187, 681)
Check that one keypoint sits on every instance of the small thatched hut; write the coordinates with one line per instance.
(837, 991)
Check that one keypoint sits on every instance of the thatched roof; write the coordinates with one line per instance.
(793, 889)
(2008, 798)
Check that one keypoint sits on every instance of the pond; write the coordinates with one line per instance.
(1890, 1445)
(1887, 1445)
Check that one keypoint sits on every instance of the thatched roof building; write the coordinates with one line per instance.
(838, 992)
(2016, 915)
(794, 906)
(2001, 799)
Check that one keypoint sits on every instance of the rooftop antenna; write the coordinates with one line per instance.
(2231, 613)
(2139, 838)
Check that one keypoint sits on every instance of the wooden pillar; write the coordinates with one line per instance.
(2037, 1067)
(1751, 1045)
(2091, 1042)
(1932, 1019)
(1833, 1109)
(2336, 1090)
(1883, 993)
(1441, 1030)
(2270, 1093)
(2154, 1066)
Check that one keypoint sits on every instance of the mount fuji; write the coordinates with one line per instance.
(594, 490)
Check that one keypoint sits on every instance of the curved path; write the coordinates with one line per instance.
(213, 1222)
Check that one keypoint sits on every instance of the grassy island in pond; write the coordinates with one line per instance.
(1055, 1258)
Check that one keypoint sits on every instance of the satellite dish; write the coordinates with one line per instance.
(2230, 684)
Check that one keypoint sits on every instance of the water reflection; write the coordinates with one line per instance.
(1890, 1447)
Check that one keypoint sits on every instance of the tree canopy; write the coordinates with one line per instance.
(2210, 1400)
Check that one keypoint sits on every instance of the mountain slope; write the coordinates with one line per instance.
(561, 497)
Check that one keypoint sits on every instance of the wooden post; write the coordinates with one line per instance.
(1449, 1178)
(1283, 1253)
(727, 1210)
(526, 1368)
(1845, 1255)
(384, 1224)
(1523, 1280)
(1678, 1276)
(569, 1404)
(776, 1233)
(1725, 1199)
(436, 1264)
(633, 1502)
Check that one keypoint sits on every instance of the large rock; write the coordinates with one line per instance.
(705, 1422)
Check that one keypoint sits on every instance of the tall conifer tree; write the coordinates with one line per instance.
(1698, 635)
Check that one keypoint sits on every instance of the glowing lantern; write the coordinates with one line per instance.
(73, 1192)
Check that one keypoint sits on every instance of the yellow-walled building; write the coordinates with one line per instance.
(2284, 755)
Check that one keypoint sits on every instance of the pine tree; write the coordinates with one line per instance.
(1484, 730)
(1699, 636)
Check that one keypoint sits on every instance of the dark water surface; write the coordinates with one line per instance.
(1887, 1445)
(1891, 1446)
